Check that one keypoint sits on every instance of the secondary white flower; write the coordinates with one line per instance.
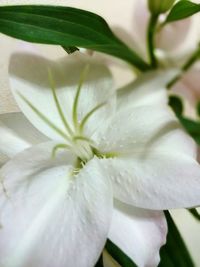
(176, 41)
(59, 211)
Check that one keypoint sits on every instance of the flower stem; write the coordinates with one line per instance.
(150, 40)
(186, 66)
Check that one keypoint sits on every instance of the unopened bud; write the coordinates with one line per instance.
(160, 6)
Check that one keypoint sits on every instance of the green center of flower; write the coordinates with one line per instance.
(76, 141)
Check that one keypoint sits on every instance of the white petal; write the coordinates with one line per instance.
(148, 89)
(156, 179)
(139, 24)
(17, 134)
(29, 76)
(138, 233)
(48, 217)
(183, 38)
(143, 127)
(174, 35)
(3, 159)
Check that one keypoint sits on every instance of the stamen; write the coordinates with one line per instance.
(89, 114)
(82, 138)
(75, 104)
(53, 89)
(82, 164)
(57, 147)
(78, 166)
(44, 118)
(105, 155)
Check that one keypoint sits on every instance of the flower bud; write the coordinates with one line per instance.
(160, 6)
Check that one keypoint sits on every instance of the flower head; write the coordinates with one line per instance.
(116, 157)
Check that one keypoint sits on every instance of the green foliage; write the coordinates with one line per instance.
(191, 126)
(195, 213)
(70, 49)
(174, 253)
(198, 109)
(100, 262)
(118, 255)
(65, 26)
(176, 104)
(182, 10)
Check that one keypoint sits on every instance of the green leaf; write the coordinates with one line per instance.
(70, 49)
(182, 10)
(118, 255)
(65, 26)
(176, 104)
(100, 262)
(174, 253)
(195, 213)
(192, 127)
(198, 109)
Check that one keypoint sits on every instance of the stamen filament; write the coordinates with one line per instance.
(88, 115)
(82, 138)
(44, 118)
(57, 147)
(53, 89)
(105, 155)
(75, 104)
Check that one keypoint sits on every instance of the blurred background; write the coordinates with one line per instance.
(119, 15)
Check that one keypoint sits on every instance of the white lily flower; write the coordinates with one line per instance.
(59, 211)
(175, 43)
